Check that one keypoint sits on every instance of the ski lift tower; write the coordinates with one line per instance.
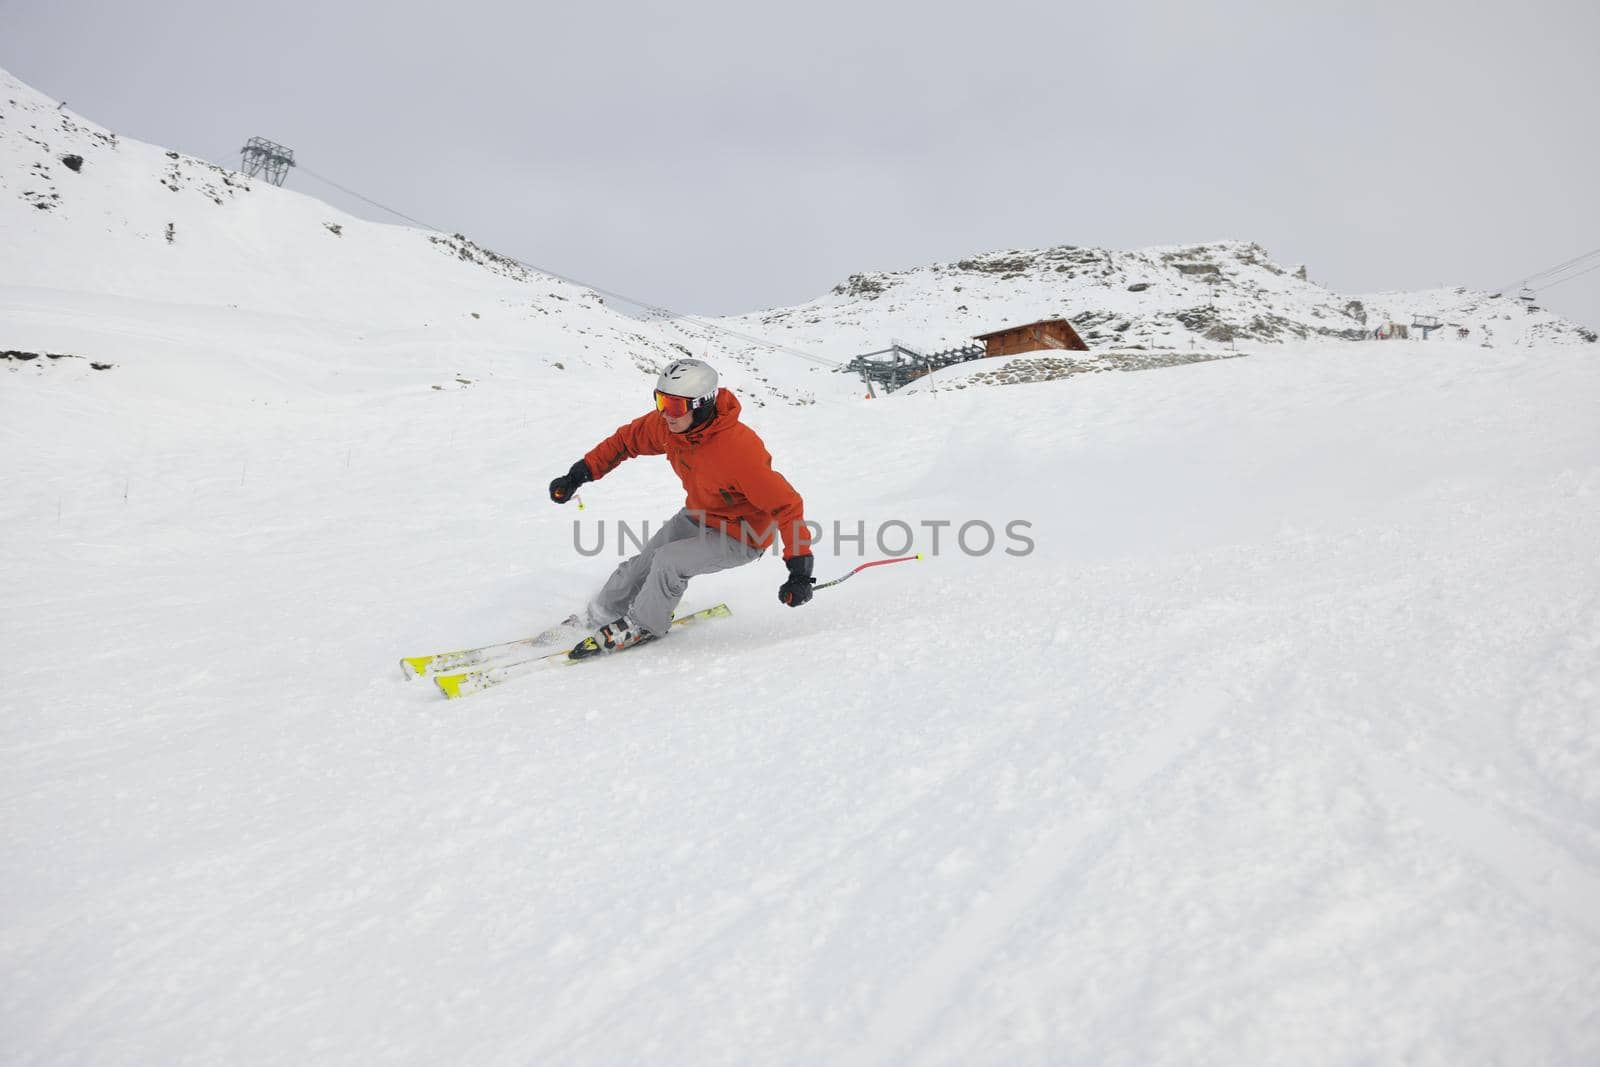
(1426, 323)
(262, 158)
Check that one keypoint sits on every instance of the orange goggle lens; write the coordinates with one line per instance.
(674, 407)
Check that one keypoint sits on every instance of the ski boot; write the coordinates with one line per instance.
(614, 636)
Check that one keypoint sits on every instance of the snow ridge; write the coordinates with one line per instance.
(1164, 297)
(85, 211)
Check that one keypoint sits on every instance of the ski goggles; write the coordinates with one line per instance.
(674, 407)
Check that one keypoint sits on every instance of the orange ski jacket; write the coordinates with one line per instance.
(726, 471)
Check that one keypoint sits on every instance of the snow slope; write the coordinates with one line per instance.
(174, 237)
(1278, 746)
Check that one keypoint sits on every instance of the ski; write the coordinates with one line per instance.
(476, 681)
(445, 662)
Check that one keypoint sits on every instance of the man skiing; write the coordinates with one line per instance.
(735, 502)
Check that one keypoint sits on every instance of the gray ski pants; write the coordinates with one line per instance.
(647, 587)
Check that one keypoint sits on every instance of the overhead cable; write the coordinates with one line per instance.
(651, 309)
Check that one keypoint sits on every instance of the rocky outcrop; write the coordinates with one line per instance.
(1051, 368)
(1223, 292)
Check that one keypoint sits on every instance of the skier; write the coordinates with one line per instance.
(735, 500)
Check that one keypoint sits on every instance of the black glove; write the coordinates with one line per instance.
(797, 590)
(562, 488)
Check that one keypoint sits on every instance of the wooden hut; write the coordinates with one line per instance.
(1034, 337)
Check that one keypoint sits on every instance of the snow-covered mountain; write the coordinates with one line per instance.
(85, 211)
(141, 228)
(1154, 298)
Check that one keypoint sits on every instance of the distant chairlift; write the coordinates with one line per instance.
(1527, 297)
(906, 363)
(1426, 323)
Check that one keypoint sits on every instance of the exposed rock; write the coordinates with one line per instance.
(472, 252)
(73, 163)
(1089, 320)
(51, 357)
(867, 285)
(1052, 368)
(1010, 263)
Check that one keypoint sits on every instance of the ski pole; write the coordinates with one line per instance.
(864, 566)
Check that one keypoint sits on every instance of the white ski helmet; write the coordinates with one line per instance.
(695, 382)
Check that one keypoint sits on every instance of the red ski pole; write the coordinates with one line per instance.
(864, 566)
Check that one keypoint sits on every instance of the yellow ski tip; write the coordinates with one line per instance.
(415, 666)
(450, 685)
(919, 555)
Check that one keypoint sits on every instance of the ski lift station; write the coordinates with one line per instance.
(900, 363)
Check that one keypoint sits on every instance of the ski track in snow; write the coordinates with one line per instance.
(927, 992)
(1280, 746)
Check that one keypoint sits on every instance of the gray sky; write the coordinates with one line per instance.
(722, 157)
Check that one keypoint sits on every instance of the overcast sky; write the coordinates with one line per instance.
(722, 157)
